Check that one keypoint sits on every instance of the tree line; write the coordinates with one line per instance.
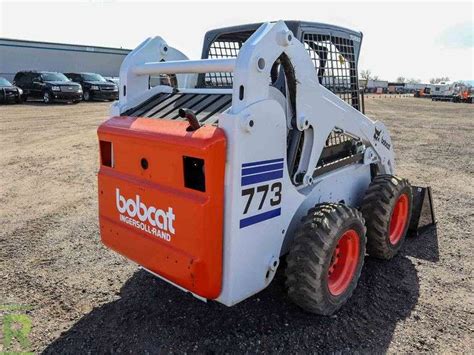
(367, 75)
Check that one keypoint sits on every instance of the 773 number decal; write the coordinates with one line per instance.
(273, 191)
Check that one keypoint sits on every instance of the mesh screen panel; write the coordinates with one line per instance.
(336, 68)
(222, 49)
(334, 59)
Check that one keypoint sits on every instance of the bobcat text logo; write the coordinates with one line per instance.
(377, 134)
(150, 219)
(383, 141)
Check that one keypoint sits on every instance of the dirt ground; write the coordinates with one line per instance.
(85, 298)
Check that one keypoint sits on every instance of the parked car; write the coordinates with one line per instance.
(9, 92)
(48, 86)
(113, 79)
(95, 86)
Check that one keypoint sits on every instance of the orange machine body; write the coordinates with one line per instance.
(147, 210)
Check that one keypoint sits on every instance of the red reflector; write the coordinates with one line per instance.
(106, 153)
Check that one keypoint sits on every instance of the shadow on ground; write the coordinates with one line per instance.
(153, 316)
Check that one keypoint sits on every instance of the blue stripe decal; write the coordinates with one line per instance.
(262, 162)
(253, 179)
(261, 169)
(259, 218)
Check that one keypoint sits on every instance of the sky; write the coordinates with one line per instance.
(419, 40)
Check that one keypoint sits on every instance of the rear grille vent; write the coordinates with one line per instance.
(206, 107)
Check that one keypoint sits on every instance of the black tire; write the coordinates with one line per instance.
(75, 102)
(313, 254)
(378, 209)
(47, 98)
(86, 96)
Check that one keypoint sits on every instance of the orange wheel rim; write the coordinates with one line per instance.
(344, 261)
(399, 219)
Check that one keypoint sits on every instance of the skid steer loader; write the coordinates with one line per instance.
(257, 151)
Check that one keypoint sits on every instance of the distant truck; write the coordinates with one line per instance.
(423, 92)
(453, 92)
(396, 88)
(414, 87)
(466, 95)
(377, 86)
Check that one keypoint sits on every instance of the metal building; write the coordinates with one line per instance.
(16, 55)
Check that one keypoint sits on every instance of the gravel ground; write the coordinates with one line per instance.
(85, 298)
